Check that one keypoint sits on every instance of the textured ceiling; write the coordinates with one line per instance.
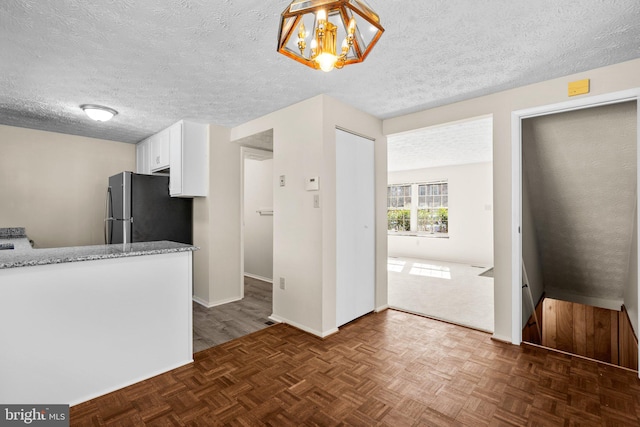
(261, 140)
(459, 143)
(580, 173)
(159, 61)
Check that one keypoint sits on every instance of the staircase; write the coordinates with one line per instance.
(593, 332)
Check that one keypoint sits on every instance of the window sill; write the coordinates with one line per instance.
(414, 234)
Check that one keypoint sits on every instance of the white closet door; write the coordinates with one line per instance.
(355, 217)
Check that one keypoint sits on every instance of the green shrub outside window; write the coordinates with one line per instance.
(431, 211)
(399, 219)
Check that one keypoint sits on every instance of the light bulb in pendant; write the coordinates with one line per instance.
(326, 61)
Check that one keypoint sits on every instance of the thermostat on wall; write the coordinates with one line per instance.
(312, 184)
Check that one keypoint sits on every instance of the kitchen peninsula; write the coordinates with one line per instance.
(79, 322)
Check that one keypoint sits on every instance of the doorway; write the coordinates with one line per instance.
(213, 326)
(576, 253)
(257, 234)
(440, 222)
(256, 227)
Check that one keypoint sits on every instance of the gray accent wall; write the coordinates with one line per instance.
(579, 174)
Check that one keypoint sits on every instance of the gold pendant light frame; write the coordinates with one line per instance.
(351, 21)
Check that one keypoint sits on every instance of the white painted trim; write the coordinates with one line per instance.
(131, 382)
(381, 308)
(208, 304)
(442, 319)
(579, 104)
(502, 338)
(243, 155)
(516, 179)
(355, 133)
(225, 301)
(274, 318)
(637, 209)
(201, 301)
(516, 222)
(303, 328)
(255, 276)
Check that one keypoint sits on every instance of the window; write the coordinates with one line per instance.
(399, 207)
(429, 216)
(433, 207)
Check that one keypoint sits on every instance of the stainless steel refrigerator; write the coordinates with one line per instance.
(139, 209)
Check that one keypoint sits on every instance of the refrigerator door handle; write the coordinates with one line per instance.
(107, 217)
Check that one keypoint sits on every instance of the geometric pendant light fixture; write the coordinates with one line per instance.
(310, 31)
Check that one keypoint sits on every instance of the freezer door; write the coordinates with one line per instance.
(156, 215)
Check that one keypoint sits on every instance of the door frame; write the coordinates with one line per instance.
(516, 187)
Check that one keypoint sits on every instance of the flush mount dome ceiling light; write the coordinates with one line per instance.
(98, 112)
(351, 21)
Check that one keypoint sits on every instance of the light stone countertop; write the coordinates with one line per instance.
(23, 255)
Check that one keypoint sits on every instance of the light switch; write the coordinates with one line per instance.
(316, 200)
(312, 184)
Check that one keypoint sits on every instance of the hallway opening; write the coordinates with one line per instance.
(440, 222)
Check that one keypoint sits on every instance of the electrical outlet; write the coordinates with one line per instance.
(282, 283)
(282, 180)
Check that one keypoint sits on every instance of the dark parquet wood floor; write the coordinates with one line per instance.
(385, 369)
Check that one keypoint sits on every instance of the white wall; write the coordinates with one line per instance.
(297, 225)
(613, 78)
(470, 238)
(54, 184)
(304, 236)
(216, 229)
(258, 229)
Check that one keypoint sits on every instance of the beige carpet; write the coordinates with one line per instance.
(443, 290)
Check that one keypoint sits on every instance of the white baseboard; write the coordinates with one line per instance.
(255, 276)
(311, 331)
(329, 332)
(274, 318)
(506, 340)
(381, 308)
(208, 304)
(201, 301)
(131, 382)
(225, 301)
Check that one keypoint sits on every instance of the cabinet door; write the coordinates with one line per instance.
(175, 156)
(142, 157)
(160, 151)
(189, 159)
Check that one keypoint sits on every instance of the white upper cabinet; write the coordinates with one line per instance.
(189, 159)
(159, 151)
(143, 155)
(182, 151)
